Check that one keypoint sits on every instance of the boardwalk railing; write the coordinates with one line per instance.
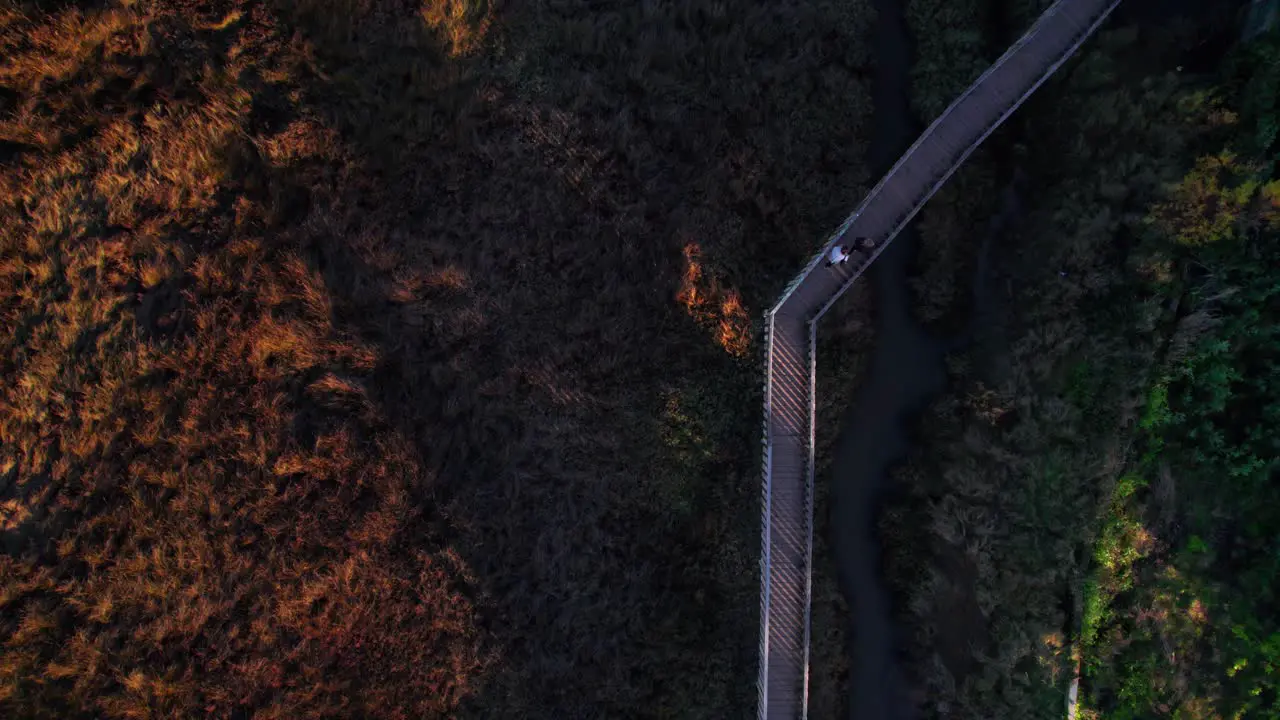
(791, 334)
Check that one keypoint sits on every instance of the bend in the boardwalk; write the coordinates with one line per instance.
(787, 500)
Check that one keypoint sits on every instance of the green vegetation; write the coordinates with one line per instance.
(379, 358)
(955, 44)
(1188, 569)
(1098, 486)
(847, 338)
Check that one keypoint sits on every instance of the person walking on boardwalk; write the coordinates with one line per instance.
(838, 256)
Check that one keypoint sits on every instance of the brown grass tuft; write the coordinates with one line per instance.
(707, 302)
(463, 24)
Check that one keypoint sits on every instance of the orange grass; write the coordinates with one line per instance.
(341, 343)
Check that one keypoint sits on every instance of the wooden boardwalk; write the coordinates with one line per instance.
(790, 334)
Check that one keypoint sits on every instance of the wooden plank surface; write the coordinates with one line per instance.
(787, 495)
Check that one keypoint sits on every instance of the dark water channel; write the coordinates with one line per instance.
(907, 368)
(906, 371)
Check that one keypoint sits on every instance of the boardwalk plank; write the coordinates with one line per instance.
(786, 533)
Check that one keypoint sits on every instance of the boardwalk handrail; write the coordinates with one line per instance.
(1080, 39)
(1013, 49)
(784, 412)
(808, 506)
(766, 503)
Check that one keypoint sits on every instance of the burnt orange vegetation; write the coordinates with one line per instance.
(345, 370)
(711, 305)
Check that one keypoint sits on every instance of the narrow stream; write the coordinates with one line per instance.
(906, 371)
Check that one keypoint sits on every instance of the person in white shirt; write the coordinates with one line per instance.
(838, 255)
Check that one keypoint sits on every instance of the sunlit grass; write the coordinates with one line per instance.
(717, 308)
(464, 23)
(349, 377)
